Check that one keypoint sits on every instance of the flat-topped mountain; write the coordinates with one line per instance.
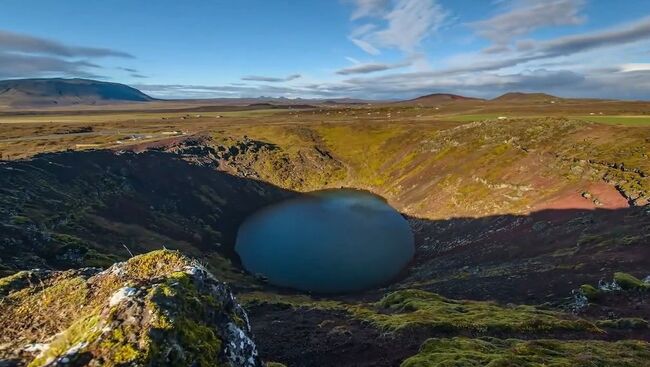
(65, 92)
(525, 97)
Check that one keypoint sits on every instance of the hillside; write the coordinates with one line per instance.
(65, 92)
(438, 98)
(519, 97)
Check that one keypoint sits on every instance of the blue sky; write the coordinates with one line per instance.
(335, 48)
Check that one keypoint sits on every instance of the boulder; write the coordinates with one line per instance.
(155, 309)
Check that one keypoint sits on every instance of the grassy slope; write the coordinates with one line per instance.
(475, 169)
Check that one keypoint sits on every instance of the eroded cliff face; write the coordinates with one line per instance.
(159, 308)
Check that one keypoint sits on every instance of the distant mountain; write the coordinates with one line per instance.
(438, 98)
(525, 97)
(65, 92)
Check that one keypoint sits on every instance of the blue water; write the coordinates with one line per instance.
(330, 241)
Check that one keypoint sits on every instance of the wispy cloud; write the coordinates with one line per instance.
(220, 91)
(23, 55)
(270, 79)
(628, 68)
(561, 47)
(521, 17)
(352, 60)
(367, 8)
(617, 36)
(400, 24)
(366, 46)
(366, 68)
(23, 43)
(17, 65)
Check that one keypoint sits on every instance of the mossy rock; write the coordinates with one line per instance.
(629, 282)
(159, 308)
(592, 293)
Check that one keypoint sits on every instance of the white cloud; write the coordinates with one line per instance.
(410, 22)
(366, 46)
(627, 68)
(352, 60)
(371, 67)
(524, 16)
(407, 24)
(366, 8)
(270, 79)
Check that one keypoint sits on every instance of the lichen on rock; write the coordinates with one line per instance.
(159, 308)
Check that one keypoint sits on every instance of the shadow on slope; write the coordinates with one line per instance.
(77, 209)
(528, 258)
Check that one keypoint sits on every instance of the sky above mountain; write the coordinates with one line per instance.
(374, 49)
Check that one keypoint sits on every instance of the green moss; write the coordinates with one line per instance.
(65, 292)
(624, 323)
(589, 291)
(274, 364)
(464, 352)
(293, 300)
(98, 260)
(200, 340)
(156, 264)
(183, 314)
(411, 308)
(629, 282)
(66, 239)
(7, 284)
(119, 346)
(83, 331)
(19, 219)
(416, 308)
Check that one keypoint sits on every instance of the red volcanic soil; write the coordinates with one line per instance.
(162, 144)
(598, 195)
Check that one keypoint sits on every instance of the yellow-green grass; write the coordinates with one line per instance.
(490, 116)
(626, 120)
(413, 308)
(125, 116)
(530, 353)
(619, 120)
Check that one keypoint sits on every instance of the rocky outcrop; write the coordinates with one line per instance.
(159, 308)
